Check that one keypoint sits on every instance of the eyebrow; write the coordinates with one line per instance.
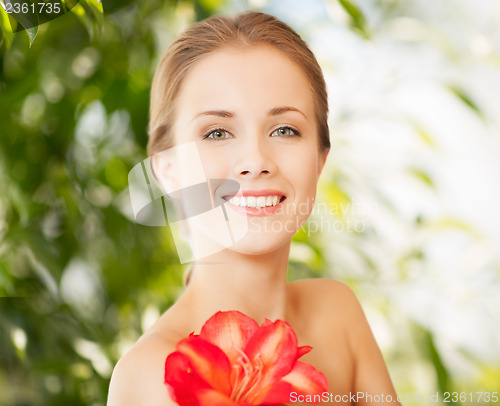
(218, 113)
(275, 111)
(280, 110)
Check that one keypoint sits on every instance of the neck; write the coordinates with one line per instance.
(252, 284)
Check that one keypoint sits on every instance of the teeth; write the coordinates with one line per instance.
(255, 201)
(251, 201)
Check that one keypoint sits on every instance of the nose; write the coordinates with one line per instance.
(255, 159)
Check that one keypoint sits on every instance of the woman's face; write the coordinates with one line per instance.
(250, 112)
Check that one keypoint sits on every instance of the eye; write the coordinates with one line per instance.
(285, 132)
(218, 134)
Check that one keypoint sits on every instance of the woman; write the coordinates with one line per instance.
(251, 96)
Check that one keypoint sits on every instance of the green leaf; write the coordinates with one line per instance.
(358, 19)
(68, 4)
(32, 32)
(422, 175)
(338, 199)
(442, 373)
(94, 10)
(211, 6)
(464, 97)
(5, 31)
(455, 223)
(424, 135)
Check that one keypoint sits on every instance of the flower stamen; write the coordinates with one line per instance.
(252, 374)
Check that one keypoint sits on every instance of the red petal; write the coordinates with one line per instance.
(306, 380)
(214, 398)
(229, 331)
(182, 381)
(187, 388)
(277, 393)
(209, 362)
(266, 323)
(303, 351)
(276, 346)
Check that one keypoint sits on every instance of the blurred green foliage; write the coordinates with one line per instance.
(74, 268)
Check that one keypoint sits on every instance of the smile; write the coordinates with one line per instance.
(255, 202)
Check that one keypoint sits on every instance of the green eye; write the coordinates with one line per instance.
(284, 132)
(218, 135)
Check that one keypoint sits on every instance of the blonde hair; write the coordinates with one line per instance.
(204, 37)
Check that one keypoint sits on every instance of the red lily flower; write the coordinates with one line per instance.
(235, 362)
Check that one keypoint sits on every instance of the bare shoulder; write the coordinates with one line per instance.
(138, 376)
(339, 314)
(322, 285)
(334, 304)
(325, 292)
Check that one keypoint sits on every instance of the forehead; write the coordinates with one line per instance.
(253, 78)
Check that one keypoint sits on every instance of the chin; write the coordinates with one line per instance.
(261, 243)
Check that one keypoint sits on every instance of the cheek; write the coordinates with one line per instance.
(214, 164)
(304, 184)
(303, 171)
